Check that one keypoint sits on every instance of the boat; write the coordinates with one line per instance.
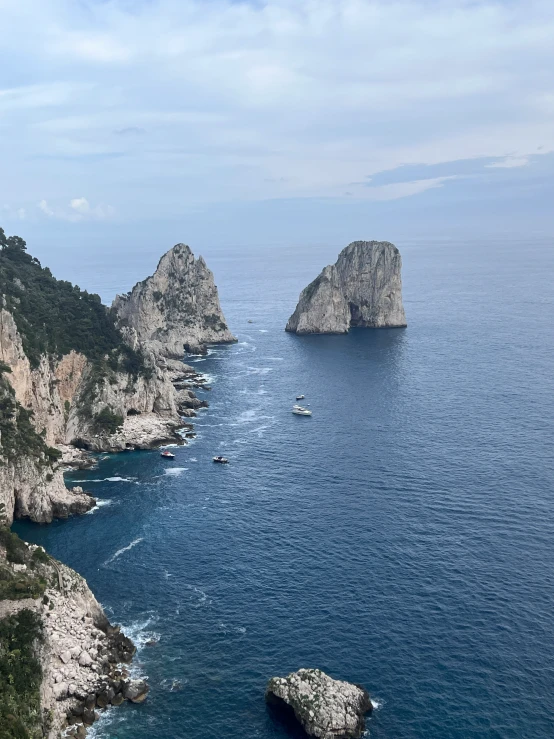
(167, 455)
(300, 411)
(221, 460)
(300, 397)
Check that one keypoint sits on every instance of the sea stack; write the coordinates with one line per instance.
(362, 289)
(326, 708)
(176, 309)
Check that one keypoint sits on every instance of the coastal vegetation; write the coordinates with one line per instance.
(20, 676)
(18, 436)
(54, 316)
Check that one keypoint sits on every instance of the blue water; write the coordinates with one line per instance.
(400, 538)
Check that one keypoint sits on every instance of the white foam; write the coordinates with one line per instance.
(124, 549)
(259, 370)
(100, 504)
(377, 703)
(112, 479)
(174, 471)
(263, 330)
(193, 459)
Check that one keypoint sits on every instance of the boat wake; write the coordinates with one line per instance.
(175, 471)
(124, 549)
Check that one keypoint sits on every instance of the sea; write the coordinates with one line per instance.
(402, 537)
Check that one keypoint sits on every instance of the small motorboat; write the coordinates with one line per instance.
(221, 460)
(300, 397)
(167, 455)
(300, 411)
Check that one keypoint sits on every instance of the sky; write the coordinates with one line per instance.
(279, 122)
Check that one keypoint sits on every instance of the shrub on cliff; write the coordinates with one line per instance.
(53, 316)
(20, 676)
(107, 421)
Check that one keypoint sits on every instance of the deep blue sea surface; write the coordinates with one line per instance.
(402, 537)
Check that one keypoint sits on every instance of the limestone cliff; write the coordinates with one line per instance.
(363, 288)
(65, 655)
(176, 309)
(79, 379)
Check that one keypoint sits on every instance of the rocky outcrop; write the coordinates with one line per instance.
(82, 656)
(29, 490)
(362, 289)
(326, 708)
(176, 309)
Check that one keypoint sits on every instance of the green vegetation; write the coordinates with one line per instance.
(26, 582)
(17, 432)
(107, 421)
(54, 316)
(20, 676)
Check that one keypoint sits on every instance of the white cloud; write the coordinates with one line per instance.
(45, 208)
(510, 162)
(79, 209)
(247, 101)
(81, 205)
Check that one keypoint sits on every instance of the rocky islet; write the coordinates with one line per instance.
(362, 289)
(325, 708)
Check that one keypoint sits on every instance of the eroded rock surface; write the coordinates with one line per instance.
(363, 288)
(326, 708)
(176, 309)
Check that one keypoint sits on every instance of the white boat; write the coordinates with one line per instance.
(220, 460)
(300, 397)
(167, 455)
(300, 411)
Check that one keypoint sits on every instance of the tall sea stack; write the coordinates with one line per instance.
(362, 289)
(176, 309)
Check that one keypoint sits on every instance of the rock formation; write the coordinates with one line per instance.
(132, 396)
(176, 309)
(363, 288)
(326, 708)
(81, 657)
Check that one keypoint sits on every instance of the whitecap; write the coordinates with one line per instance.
(193, 459)
(263, 330)
(174, 471)
(124, 549)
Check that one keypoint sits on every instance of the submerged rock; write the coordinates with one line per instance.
(326, 708)
(363, 288)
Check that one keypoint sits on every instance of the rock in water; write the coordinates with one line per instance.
(177, 308)
(326, 708)
(363, 288)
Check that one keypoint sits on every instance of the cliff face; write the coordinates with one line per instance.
(63, 641)
(116, 391)
(176, 309)
(363, 288)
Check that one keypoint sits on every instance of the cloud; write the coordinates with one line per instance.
(509, 163)
(78, 209)
(8, 212)
(239, 102)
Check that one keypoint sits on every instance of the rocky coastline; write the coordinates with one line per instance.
(58, 408)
